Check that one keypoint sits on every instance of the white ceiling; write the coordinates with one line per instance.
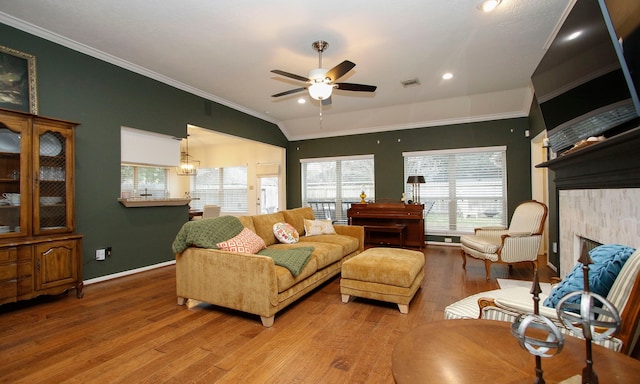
(224, 51)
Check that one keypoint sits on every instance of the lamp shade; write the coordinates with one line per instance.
(415, 180)
(320, 91)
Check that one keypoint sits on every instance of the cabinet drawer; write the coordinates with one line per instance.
(8, 272)
(7, 254)
(8, 290)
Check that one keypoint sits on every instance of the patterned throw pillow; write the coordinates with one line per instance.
(318, 227)
(245, 242)
(285, 233)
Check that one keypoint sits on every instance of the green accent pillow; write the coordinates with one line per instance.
(294, 259)
(206, 233)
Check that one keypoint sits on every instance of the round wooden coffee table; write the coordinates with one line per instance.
(485, 351)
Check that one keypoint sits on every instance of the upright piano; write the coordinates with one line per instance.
(408, 218)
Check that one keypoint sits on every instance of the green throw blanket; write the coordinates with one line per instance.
(206, 233)
(294, 259)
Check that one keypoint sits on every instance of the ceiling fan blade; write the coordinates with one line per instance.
(356, 87)
(326, 101)
(290, 75)
(288, 92)
(339, 70)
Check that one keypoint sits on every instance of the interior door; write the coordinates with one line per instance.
(268, 194)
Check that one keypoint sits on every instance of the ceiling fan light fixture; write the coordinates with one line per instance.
(489, 5)
(320, 90)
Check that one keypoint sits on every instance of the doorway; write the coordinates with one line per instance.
(540, 186)
(268, 194)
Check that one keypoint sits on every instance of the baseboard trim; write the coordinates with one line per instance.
(127, 273)
(443, 243)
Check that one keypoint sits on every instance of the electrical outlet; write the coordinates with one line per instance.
(100, 254)
(447, 240)
(555, 247)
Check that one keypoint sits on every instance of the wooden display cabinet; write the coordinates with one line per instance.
(39, 251)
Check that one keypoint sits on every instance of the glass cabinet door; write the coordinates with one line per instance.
(14, 175)
(53, 192)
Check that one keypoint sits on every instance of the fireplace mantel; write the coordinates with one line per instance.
(613, 163)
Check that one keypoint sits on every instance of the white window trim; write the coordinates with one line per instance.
(336, 158)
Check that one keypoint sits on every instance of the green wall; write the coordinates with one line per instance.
(387, 148)
(103, 97)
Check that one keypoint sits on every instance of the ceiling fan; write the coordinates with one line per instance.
(321, 82)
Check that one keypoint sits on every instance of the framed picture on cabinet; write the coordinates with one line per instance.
(18, 87)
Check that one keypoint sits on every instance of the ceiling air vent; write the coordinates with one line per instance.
(410, 83)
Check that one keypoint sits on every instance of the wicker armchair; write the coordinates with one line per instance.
(518, 243)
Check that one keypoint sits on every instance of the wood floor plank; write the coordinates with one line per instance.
(131, 330)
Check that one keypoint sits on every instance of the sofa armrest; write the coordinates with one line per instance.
(240, 281)
(356, 231)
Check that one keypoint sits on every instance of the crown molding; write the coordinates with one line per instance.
(85, 49)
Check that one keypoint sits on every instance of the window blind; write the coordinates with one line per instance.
(148, 148)
(338, 181)
(224, 186)
(467, 187)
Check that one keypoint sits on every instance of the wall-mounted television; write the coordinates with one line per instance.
(588, 81)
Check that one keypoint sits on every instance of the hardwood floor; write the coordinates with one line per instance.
(130, 330)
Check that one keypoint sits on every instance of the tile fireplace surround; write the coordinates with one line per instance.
(598, 195)
(604, 215)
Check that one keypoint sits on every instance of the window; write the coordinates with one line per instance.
(468, 187)
(226, 187)
(328, 183)
(138, 180)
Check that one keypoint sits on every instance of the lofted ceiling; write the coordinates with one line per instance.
(224, 51)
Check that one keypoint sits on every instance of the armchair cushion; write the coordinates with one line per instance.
(467, 308)
(481, 244)
(608, 260)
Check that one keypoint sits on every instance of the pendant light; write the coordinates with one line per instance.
(188, 166)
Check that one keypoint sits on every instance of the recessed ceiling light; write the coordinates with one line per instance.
(489, 5)
(301, 101)
(574, 35)
(447, 76)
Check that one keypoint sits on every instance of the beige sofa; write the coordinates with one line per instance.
(254, 283)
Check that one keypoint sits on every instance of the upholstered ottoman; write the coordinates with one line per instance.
(386, 274)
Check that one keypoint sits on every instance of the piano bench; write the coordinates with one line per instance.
(389, 228)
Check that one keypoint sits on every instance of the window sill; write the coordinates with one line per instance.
(151, 202)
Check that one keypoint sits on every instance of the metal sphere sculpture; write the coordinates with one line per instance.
(538, 335)
(593, 311)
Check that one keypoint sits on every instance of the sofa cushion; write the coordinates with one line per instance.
(244, 242)
(296, 217)
(325, 253)
(285, 233)
(264, 226)
(349, 244)
(293, 259)
(607, 259)
(247, 222)
(286, 279)
(318, 227)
